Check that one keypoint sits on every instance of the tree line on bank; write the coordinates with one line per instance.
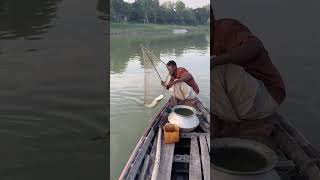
(150, 11)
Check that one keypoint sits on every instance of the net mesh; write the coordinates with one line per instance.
(154, 71)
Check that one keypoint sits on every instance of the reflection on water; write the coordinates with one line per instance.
(129, 117)
(26, 18)
(125, 48)
(52, 95)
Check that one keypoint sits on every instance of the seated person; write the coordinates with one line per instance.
(246, 87)
(182, 85)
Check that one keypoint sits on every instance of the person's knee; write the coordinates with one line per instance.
(227, 71)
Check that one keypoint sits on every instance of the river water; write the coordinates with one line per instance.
(128, 115)
(53, 58)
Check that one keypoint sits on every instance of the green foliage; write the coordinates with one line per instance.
(119, 10)
(150, 11)
(136, 12)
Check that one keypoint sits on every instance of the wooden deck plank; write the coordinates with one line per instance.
(152, 158)
(181, 158)
(135, 167)
(193, 134)
(166, 161)
(144, 168)
(205, 158)
(195, 164)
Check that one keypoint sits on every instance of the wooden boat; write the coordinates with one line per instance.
(152, 159)
(189, 159)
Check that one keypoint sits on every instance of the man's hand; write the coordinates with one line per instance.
(170, 83)
(163, 84)
(173, 82)
(176, 81)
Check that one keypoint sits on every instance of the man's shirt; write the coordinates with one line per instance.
(181, 72)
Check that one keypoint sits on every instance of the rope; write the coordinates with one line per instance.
(153, 65)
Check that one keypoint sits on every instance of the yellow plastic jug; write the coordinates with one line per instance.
(171, 133)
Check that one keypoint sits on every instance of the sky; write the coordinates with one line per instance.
(189, 3)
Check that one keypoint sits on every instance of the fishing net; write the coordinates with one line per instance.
(155, 71)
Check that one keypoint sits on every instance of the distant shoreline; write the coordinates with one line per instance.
(138, 29)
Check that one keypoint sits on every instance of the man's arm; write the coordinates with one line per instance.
(242, 54)
(187, 76)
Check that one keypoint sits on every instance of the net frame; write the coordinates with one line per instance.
(149, 60)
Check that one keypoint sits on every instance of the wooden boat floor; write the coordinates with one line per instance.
(187, 159)
(166, 161)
